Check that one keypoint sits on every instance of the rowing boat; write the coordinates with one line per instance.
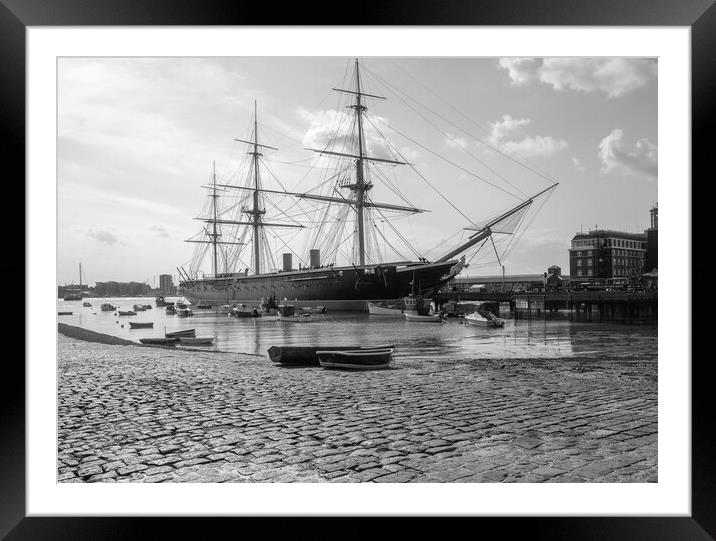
(141, 324)
(357, 359)
(306, 355)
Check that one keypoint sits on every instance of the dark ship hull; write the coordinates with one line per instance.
(336, 288)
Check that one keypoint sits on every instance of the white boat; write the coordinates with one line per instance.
(288, 313)
(429, 318)
(196, 340)
(375, 309)
(358, 359)
(314, 309)
(490, 321)
(184, 312)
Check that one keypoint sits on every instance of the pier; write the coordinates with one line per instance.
(624, 306)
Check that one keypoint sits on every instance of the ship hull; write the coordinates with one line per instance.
(343, 289)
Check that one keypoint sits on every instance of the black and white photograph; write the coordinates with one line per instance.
(372, 269)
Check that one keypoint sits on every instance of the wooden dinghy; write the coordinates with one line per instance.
(177, 334)
(306, 355)
(141, 324)
(356, 359)
(127, 313)
(196, 340)
(64, 313)
(159, 341)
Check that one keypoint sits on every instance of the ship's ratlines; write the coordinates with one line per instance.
(336, 230)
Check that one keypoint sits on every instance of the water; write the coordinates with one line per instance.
(538, 338)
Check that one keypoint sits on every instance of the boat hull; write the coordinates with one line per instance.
(340, 289)
(306, 355)
(355, 359)
(433, 318)
(137, 325)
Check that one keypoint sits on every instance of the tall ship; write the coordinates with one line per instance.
(345, 258)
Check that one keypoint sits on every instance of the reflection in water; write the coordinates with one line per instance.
(554, 337)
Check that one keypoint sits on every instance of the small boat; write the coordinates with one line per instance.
(184, 312)
(288, 313)
(159, 341)
(224, 309)
(147, 306)
(314, 309)
(196, 340)
(64, 313)
(126, 312)
(375, 309)
(177, 334)
(488, 320)
(159, 300)
(356, 359)
(428, 318)
(87, 304)
(170, 309)
(138, 308)
(244, 310)
(106, 307)
(306, 355)
(204, 306)
(141, 324)
(181, 305)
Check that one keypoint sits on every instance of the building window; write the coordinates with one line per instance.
(589, 272)
(579, 272)
(589, 262)
(579, 262)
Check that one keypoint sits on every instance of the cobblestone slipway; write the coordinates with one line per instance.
(129, 413)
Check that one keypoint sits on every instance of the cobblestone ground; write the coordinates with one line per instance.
(143, 414)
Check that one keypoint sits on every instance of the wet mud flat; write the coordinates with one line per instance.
(139, 414)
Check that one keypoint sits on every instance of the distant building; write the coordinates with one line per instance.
(652, 241)
(604, 254)
(121, 289)
(516, 283)
(166, 283)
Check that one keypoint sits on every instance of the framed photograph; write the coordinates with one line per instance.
(464, 196)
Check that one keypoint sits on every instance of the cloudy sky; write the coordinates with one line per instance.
(137, 138)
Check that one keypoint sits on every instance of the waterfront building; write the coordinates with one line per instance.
(605, 255)
(514, 283)
(166, 283)
(652, 241)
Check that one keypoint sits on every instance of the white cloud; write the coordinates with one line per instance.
(160, 230)
(454, 141)
(643, 159)
(334, 131)
(527, 146)
(520, 70)
(104, 236)
(577, 164)
(612, 76)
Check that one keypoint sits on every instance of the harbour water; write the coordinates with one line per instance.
(556, 337)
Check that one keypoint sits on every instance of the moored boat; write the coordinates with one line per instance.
(488, 320)
(141, 324)
(170, 309)
(87, 304)
(314, 309)
(196, 340)
(159, 341)
(64, 313)
(177, 334)
(126, 312)
(244, 310)
(306, 355)
(288, 313)
(356, 359)
(428, 318)
(107, 307)
(376, 309)
(184, 312)
(138, 308)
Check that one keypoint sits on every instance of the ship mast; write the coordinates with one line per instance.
(256, 212)
(360, 186)
(214, 233)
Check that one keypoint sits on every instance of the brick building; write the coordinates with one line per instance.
(604, 254)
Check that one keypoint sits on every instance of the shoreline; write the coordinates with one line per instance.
(176, 415)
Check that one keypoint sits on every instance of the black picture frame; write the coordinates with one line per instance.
(699, 15)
